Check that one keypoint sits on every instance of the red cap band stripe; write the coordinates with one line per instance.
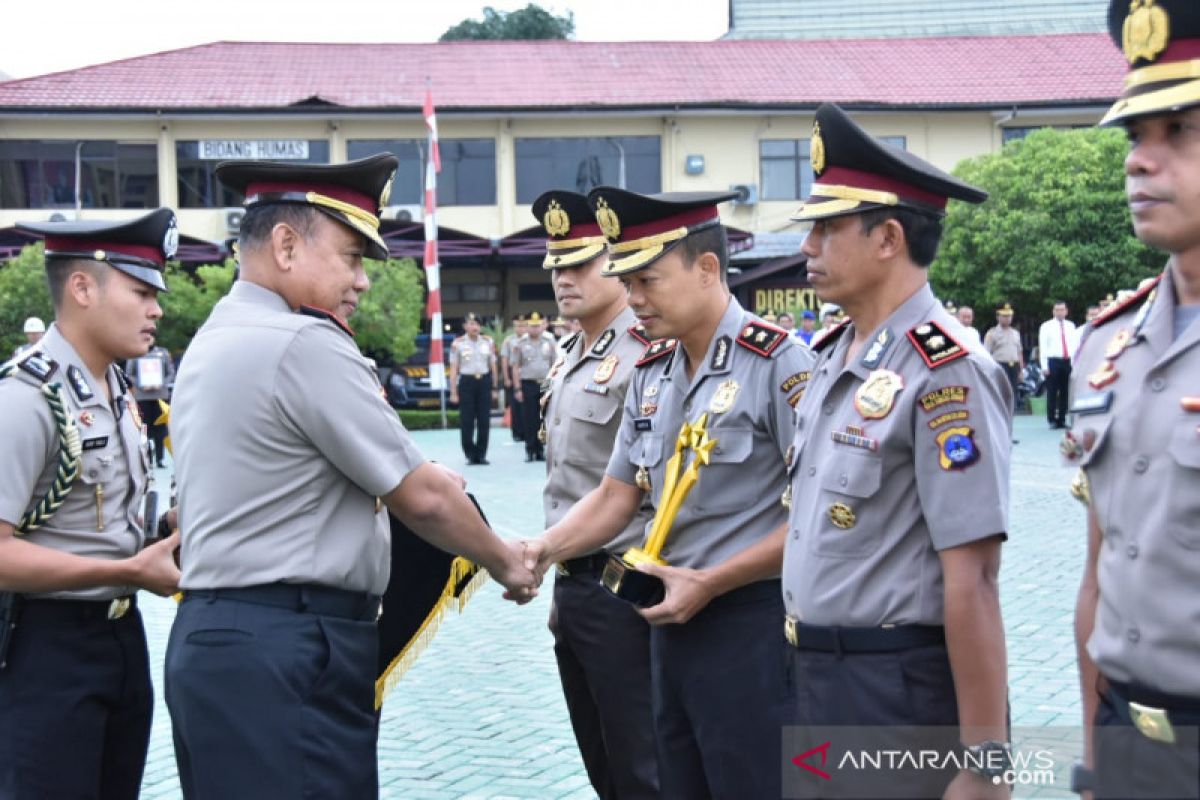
(580, 231)
(74, 244)
(866, 180)
(687, 218)
(1180, 50)
(366, 203)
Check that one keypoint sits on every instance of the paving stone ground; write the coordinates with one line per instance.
(481, 715)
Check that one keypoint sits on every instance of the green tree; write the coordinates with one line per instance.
(530, 22)
(23, 294)
(388, 318)
(189, 300)
(1056, 226)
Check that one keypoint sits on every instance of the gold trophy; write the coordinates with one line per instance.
(621, 575)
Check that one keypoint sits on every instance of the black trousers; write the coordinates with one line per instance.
(902, 700)
(1130, 765)
(531, 416)
(150, 411)
(603, 650)
(516, 422)
(75, 704)
(1057, 386)
(271, 702)
(720, 694)
(474, 415)
(1012, 370)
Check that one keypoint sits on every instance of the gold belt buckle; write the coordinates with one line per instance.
(1152, 723)
(118, 608)
(789, 631)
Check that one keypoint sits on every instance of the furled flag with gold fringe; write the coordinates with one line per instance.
(426, 582)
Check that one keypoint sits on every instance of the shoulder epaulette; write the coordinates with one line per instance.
(935, 346)
(761, 338)
(659, 348)
(1121, 306)
(569, 342)
(639, 332)
(829, 336)
(321, 313)
(35, 364)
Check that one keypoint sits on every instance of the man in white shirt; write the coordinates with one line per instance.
(966, 315)
(1056, 346)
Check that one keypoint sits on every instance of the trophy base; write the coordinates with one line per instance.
(623, 580)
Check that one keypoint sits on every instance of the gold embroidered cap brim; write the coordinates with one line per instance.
(557, 258)
(1170, 98)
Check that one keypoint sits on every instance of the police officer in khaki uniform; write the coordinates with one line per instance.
(531, 361)
(1135, 410)
(718, 686)
(899, 480)
(75, 692)
(1003, 342)
(601, 643)
(472, 386)
(270, 670)
(516, 425)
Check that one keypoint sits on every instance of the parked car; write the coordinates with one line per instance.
(407, 384)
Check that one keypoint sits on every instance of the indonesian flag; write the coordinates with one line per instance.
(433, 279)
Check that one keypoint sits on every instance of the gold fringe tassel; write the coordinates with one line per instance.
(459, 569)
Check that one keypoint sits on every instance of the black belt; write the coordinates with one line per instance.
(474, 377)
(584, 565)
(1155, 714)
(862, 640)
(52, 609)
(307, 597)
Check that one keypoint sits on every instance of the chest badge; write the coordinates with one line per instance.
(86, 419)
(605, 371)
(1105, 375)
(785, 499)
(722, 399)
(1117, 344)
(842, 516)
(877, 396)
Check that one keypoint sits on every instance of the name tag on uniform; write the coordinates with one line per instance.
(1093, 404)
(641, 424)
(95, 444)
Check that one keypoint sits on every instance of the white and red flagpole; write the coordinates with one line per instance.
(433, 280)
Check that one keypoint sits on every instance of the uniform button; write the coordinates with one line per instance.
(1158, 384)
(788, 595)
(795, 534)
(812, 471)
(1133, 635)
(844, 480)
(827, 410)
(1132, 550)
(92, 473)
(558, 420)
(1141, 464)
(590, 414)
(687, 407)
(554, 504)
(718, 450)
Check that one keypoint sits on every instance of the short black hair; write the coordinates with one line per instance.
(922, 232)
(260, 220)
(59, 269)
(710, 240)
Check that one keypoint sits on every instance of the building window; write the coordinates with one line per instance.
(195, 161)
(1014, 134)
(899, 142)
(41, 174)
(468, 176)
(582, 164)
(785, 171)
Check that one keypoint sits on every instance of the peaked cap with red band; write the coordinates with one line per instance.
(574, 236)
(642, 228)
(855, 172)
(352, 193)
(138, 247)
(1161, 41)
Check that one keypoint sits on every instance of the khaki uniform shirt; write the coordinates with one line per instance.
(506, 355)
(587, 389)
(283, 442)
(473, 356)
(533, 357)
(112, 477)
(881, 485)
(1004, 344)
(1137, 429)
(736, 500)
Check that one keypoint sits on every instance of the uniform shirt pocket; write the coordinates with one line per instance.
(1184, 521)
(590, 439)
(98, 466)
(844, 527)
(718, 488)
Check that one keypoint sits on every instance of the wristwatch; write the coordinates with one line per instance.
(988, 759)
